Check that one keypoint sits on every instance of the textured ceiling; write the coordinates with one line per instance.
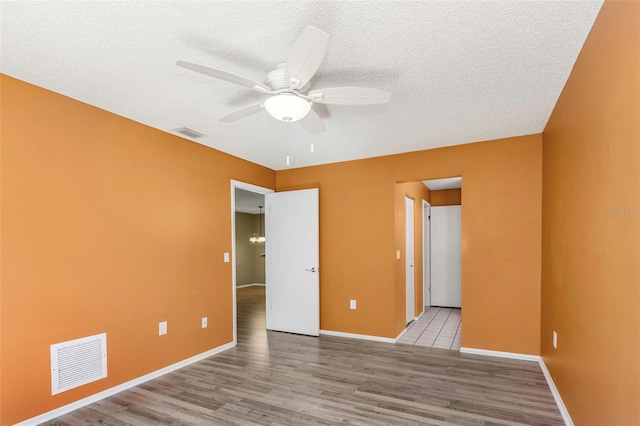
(438, 184)
(459, 71)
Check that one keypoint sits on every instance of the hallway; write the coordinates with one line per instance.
(436, 328)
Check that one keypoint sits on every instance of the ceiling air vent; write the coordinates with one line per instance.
(185, 131)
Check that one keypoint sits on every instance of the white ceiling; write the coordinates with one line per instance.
(449, 183)
(248, 202)
(459, 71)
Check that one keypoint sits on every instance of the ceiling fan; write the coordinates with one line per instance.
(290, 100)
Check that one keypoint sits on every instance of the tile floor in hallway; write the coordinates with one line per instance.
(437, 328)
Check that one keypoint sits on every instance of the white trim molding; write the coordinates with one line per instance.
(511, 355)
(556, 395)
(400, 335)
(407, 328)
(358, 336)
(119, 388)
(525, 357)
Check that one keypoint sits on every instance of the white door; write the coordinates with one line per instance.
(426, 253)
(446, 256)
(292, 269)
(409, 258)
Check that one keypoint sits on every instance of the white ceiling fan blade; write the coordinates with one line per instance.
(223, 75)
(305, 56)
(350, 96)
(313, 123)
(243, 112)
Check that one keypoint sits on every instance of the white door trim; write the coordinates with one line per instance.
(247, 187)
(410, 258)
(426, 254)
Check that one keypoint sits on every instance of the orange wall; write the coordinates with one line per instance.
(418, 192)
(501, 231)
(591, 260)
(1, 375)
(107, 226)
(446, 197)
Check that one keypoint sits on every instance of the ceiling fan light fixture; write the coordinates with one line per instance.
(287, 107)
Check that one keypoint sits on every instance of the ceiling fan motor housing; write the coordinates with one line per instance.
(275, 78)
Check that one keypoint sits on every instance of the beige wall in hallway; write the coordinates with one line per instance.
(249, 259)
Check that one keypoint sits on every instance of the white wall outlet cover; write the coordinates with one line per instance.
(398, 254)
(226, 258)
(352, 304)
(162, 328)
(204, 322)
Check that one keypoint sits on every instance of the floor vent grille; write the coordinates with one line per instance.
(78, 362)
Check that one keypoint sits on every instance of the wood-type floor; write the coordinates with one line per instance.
(273, 378)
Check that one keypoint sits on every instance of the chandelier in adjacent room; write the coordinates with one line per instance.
(258, 238)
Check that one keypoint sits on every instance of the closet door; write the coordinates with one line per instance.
(446, 267)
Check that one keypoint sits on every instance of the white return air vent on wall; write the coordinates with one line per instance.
(78, 362)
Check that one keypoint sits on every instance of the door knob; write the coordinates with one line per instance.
(313, 270)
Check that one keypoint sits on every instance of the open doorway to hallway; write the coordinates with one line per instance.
(432, 224)
(248, 257)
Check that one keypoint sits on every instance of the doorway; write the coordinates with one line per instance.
(437, 261)
(291, 296)
(245, 198)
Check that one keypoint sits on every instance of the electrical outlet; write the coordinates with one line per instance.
(204, 322)
(162, 328)
(555, 340)
(226, 258)
(397, 254)
(352, 304)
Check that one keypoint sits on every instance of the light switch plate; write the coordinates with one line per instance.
(352, 304)
(204, 322)
(226, 258)
(162, 328)
(555, 340)
(397, 254)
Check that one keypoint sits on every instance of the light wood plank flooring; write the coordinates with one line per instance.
(273, 378)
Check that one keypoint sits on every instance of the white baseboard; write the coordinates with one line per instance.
(119, 388)
(406, 328)
(358, 336)
(556, 395)
(250, 285)
(511, 355)
(400, 335)
(552, 386)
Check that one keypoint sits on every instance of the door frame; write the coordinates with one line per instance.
(411, 307)
(426, 254)
(236, 184)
